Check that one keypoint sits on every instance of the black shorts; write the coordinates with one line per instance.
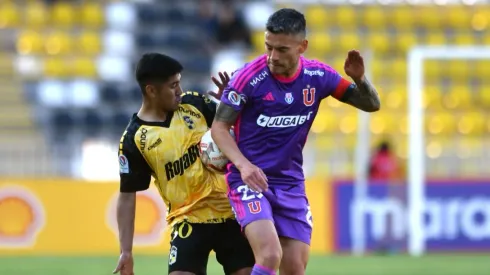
(191, 244)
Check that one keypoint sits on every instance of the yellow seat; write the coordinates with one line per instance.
(89, 43)
(428, 16)
(399, 69)
(403, 17)
(432, 97)
(396, 98)
(457, 97)
(56, 67)
(481, 69)
(318, 18)
(434, 149)
(464, 39)
(258, 40)
(374, 17)
(344, 17)
(436, 38)
(63, 14)
(9, 15)
(348, 123)
(92, 15)
(406, 41)
(440, 123)
(382, 123)
(378, 69)
(29, 42)
(58, 43)
(483, 97)
(431, 68)
(36, 14)
(472, 123)
(457, 17)
(325, 122)
(84, 67)
(349, 41)
(379, 42)
(319, 43)
(458, 69)
(480, 20)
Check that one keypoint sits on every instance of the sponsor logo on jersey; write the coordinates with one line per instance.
(189, 112)
(189, 122)
(178, 167)
(315, 72)
(282, 121)
(123, 164)
(155, 144)
(261, 76)
(289, 98)
(143, 139)
(234, 98)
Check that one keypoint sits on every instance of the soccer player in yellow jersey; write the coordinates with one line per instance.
(162, 140)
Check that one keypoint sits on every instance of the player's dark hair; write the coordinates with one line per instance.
(154, 68)
(286, 21)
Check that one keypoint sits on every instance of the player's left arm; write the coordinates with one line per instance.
(202, 103)
(362, 94)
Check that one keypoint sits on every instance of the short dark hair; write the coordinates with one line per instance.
(286, 21)
(156, 67)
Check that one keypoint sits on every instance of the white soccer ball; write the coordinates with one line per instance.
(211, 156)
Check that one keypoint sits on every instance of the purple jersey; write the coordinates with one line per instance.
(276, 114)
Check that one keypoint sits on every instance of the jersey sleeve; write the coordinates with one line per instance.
(337, 86)
(134, 171)
(202, 103)
(235, 94)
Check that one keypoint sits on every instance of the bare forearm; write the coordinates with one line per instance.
(364, 96)
(126, 207)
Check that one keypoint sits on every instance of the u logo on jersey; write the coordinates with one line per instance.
(309, 96)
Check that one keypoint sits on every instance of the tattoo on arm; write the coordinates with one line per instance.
(364, 97)
(226, 114)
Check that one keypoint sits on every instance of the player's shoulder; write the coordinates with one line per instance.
(133, 127)
(313, 67)
(192, 97)
(251, 74)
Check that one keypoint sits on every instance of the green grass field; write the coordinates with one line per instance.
(448, 264)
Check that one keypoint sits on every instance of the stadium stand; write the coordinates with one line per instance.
(98, 42)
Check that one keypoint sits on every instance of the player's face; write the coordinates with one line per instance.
(283, 52)
(166, 95)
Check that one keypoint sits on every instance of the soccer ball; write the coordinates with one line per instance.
(211, 156)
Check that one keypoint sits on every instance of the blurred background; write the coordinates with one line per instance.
(67, 91)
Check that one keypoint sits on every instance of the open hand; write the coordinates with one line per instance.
(125, 265)
(354, 65)
(254, 177)
(224, 78)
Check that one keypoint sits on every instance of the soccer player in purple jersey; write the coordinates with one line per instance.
(271, 102)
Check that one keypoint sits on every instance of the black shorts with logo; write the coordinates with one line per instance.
(191, 244)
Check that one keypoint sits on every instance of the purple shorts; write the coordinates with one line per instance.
(288, 210)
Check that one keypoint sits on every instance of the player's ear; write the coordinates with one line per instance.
(150, 91)
(303, 46)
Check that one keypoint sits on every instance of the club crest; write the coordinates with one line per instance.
(289, 98)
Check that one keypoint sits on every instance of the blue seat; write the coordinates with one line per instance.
(110, 93)
(146, 40)
(62, 121)
(147, 14)
(120, 120)
(92, 120)
(135, 93)
(198, 64)
(174, 16)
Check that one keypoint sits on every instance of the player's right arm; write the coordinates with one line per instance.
(232, 103)
(135, 175)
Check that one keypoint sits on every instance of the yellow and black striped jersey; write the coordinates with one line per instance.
(169, 151)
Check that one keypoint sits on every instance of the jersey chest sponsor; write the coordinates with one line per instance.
(283, 121)
(178, 167)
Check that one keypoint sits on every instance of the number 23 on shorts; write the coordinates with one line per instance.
(250, 198)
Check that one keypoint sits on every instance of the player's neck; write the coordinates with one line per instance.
(149, 113)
